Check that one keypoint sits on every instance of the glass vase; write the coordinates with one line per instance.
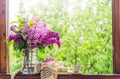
(29, 61)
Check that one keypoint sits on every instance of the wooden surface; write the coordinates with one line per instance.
(3, 53)
(116, 35)
(79, 76)
(72, 76)
(37, 76)
(5, 76)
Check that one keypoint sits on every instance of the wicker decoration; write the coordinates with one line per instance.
(46, 71)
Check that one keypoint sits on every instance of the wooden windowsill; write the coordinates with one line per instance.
(5, 76)
(64, 76)
(89, 76)
(72, 76)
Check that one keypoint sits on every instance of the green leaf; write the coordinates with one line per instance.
(14, 22)
(31, 23)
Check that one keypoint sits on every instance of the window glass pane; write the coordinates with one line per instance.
(85, 28)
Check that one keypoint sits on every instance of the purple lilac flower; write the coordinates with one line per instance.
(11, 37)
(35, 34)
(17, 38)
(51, 39)
(49, 59)
(39, 34)
(26, 28)
(13, 27)
(43, 25)
(14, 37)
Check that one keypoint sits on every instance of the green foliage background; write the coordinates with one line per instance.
(86, 31)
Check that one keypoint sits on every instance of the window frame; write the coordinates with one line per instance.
(116, 35)
(4, 56)
(3, 47)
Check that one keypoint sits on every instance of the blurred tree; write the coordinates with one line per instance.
(85, 27)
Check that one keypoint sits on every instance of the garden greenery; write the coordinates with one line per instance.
(85, 30)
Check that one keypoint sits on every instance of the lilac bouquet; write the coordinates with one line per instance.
(49, 59)
(32, 32)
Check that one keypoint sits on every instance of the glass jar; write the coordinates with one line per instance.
(29, 61)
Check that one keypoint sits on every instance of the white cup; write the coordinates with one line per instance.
(76, 68)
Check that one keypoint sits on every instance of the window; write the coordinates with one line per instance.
(115, 37)
(89, 37)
